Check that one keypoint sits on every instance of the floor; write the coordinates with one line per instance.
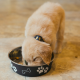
(13, 18)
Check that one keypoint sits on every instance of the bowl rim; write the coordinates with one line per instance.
(25, 65)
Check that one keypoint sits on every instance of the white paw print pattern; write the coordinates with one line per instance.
(14, 68)
(46, 69)
(41, 69)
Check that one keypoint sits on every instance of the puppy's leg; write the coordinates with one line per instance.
(60, 36)
(23, 62)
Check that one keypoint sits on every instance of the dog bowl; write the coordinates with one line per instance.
(15, 57)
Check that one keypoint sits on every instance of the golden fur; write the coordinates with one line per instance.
(48, 22)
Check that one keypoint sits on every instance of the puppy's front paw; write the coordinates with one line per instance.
(58, 50)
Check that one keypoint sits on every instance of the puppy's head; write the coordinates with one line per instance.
(35, 52)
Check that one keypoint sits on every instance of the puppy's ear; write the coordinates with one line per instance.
(46, 53)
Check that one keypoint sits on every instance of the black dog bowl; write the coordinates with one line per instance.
(31, 71)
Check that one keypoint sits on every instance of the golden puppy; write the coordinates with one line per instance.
(48, 22)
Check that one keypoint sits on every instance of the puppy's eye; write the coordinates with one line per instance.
(37, 59)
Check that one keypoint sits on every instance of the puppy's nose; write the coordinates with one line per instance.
(26, 62)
